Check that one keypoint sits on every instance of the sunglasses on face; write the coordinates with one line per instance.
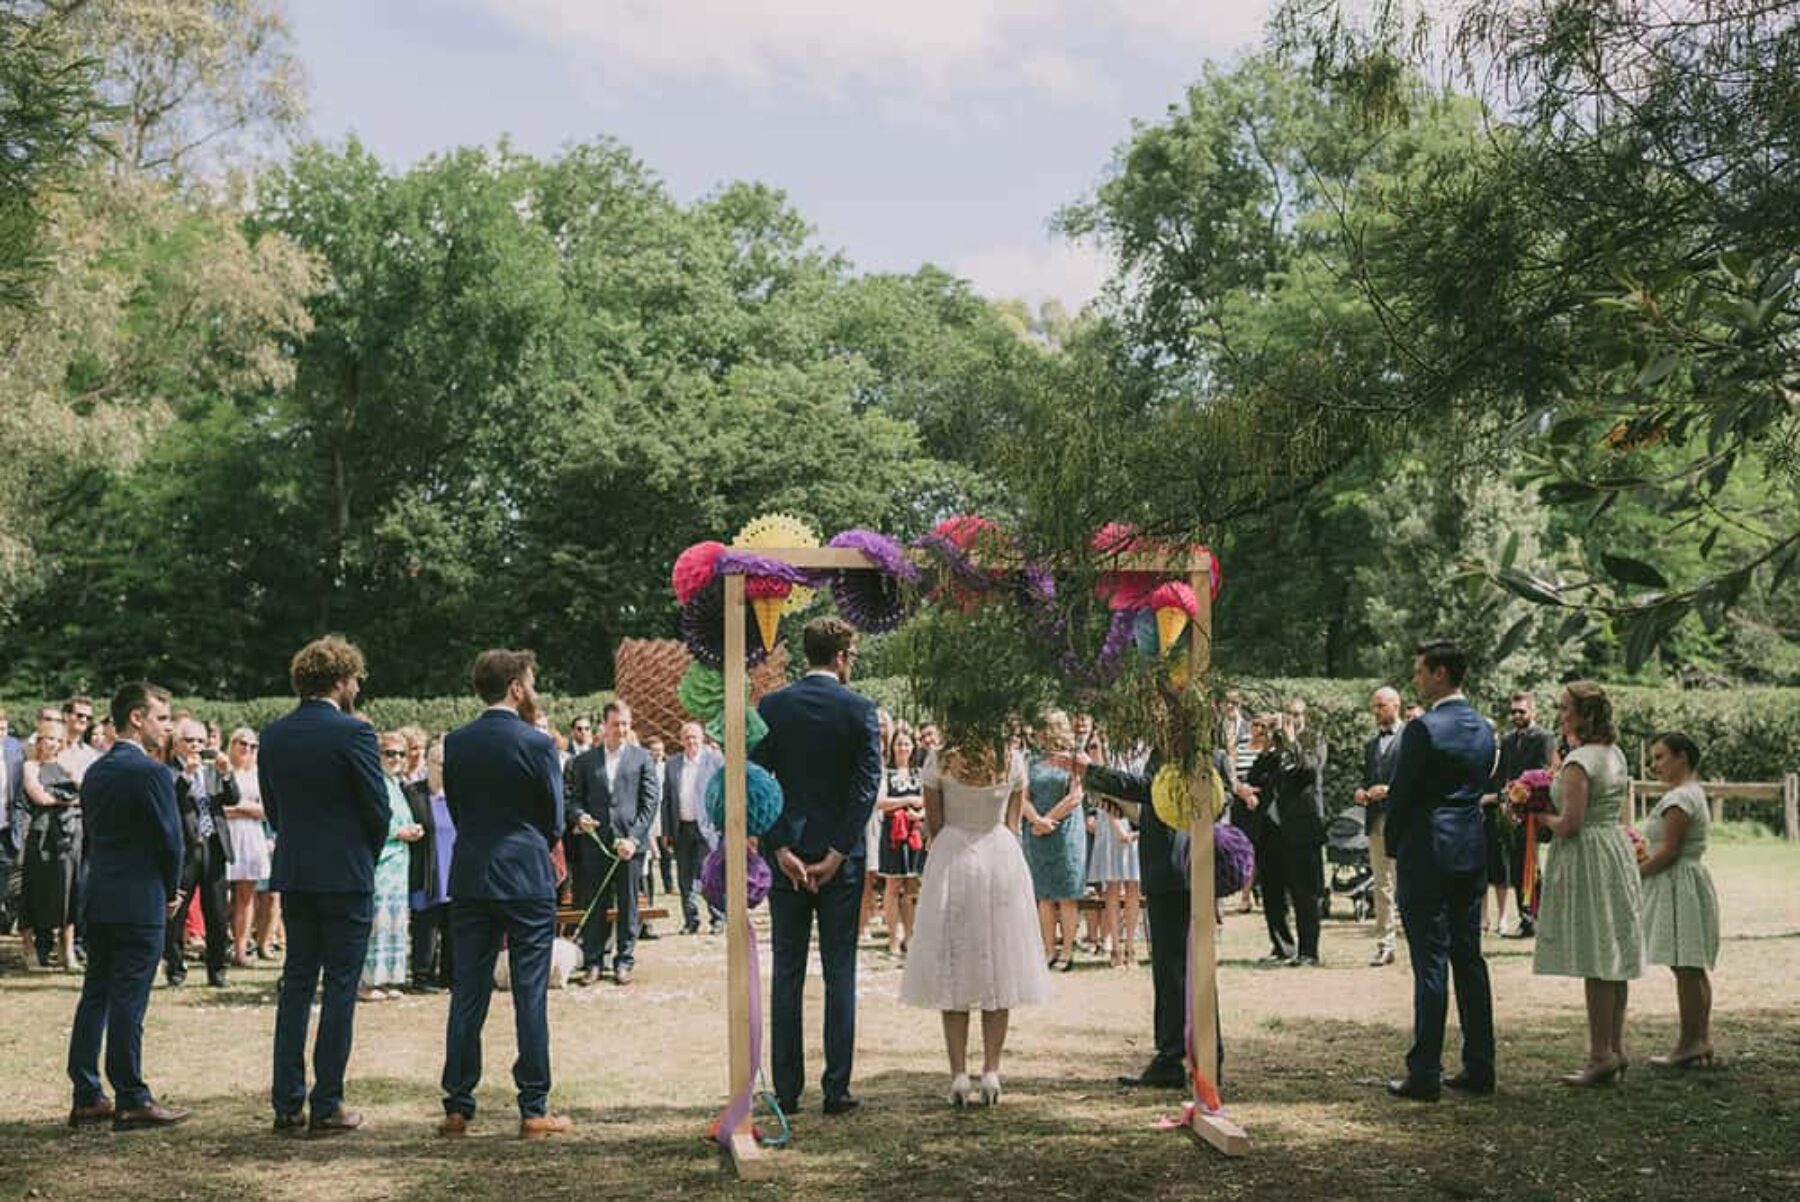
(246, 744)
(1518, 713)
(391, 754)
(81, 717)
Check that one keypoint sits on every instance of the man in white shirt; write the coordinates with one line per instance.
(688, 834)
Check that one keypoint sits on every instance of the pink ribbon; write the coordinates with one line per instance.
(743, 1097)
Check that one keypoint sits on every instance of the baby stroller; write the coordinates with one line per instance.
(1347, 850)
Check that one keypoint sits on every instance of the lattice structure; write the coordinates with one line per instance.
(646, 673)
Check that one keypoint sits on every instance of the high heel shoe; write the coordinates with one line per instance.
(1604, 1074)
(990, 1089)
(960, 1090)
(1700, 1059)
(1068, 965)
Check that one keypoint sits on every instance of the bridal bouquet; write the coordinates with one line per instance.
(1639, 847)
(1526, 798)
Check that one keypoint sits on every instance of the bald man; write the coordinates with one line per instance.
(1381, 755)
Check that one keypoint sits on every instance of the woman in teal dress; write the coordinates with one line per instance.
(1588, 916)
(388, 959)
(1681, 907)
(1054, 836)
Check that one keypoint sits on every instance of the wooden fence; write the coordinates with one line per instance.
(1786, 791)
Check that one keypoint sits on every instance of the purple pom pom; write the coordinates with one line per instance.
(1234, 860)
(712, 878)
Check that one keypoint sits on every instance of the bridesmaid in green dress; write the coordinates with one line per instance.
(1681, 907)
(1588, 918)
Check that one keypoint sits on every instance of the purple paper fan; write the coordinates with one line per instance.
(873, 599)
(749, 563)
(703, 627)
(758, 878)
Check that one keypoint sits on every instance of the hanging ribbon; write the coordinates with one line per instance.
(600, 893)
(743, 1094)
(1206, 1095)
(1528, 886)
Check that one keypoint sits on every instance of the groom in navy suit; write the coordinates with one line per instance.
(325, 796)
(503, 783)
(1435, 835)
(824, 746)
(134, 850)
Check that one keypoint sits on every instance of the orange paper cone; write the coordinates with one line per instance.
(1170, 622)
(768, 618)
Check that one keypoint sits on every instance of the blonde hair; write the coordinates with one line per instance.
(1591, 712)
(434, 767)
(1056, 732)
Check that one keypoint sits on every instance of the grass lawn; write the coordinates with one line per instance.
(642, 1071)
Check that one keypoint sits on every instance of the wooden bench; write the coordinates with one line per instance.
(569, 917)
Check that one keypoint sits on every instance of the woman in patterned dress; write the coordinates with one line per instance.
(1681, 907)
(1588, 917)
(390, 945)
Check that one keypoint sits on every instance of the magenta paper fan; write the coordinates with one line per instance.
(693, 568)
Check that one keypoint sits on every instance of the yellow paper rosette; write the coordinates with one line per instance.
(1175, 803)
(780, 530)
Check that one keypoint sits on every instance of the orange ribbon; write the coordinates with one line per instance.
(1528, 886)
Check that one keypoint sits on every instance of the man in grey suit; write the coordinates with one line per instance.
(612, 797)
(687, 832)
(1381, 755)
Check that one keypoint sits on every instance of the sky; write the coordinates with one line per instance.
(935, 131)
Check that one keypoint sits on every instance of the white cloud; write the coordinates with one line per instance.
(1051, 48)
(1072, 273)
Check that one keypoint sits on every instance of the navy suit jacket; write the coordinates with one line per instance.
(503, 783)
(824, 746)
(133, 837)
(626, 808)
(1434, 806)
(12, 762)
(325, 796)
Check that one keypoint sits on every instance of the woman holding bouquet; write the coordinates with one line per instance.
(1681, 908)
(1588, 917)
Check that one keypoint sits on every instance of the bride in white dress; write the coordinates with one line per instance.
(975, 943)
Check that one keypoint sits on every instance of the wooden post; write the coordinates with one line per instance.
(1790, 807)
(1203, 935)
(747, 1158)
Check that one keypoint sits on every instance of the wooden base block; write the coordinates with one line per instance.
(1221, 1133)
(748, 1159)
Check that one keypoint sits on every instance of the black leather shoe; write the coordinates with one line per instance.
(843, 1104)
(1304, 962)
(647, 933)
(175, 979)
(1417, 1091)
(1463, 1083)
(426, 987)
(789, 1106)
(1157, 1077)
(290, 1124)
(216, 980)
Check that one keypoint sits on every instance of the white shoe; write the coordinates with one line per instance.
(990, 1089)
(960, 1090)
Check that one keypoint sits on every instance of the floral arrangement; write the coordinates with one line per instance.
(1639, 847)
(1526, 798)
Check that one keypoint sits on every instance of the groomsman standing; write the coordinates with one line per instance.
(613, 795)
(1381, 755)
(1526, 746)
(134, 847)
(326, 798)
(503, 784)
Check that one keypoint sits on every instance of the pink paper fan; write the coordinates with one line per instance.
(758, 587)
(1173, 594)
(693, 568)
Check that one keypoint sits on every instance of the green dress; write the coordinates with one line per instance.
(387, 959)
(1588, 919)
(1681, 907)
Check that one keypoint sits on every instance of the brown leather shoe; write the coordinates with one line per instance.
(88, 1116)
(454, 1126)
(153, 1115)
(545, 1127)
(338, 1122)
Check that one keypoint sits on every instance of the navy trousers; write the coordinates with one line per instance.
(601, 932)
(791, 914)
(690, 854)
(1442, 917)
(121, 967)
(477, 927)
(1169, 914)
(328, 934)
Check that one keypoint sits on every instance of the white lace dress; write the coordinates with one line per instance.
(975, 944)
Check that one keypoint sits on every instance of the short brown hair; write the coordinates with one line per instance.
(1592, 711)
(323, 664)
(827, 638)
(68, 707)
(495, 671)
(136, 695)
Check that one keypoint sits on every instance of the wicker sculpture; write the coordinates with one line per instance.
(646, 673)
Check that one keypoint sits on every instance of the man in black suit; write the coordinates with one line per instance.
(326, 798)
(1526, 746)
(686, 831)
(504, 787)
(824, 747)
(201, 795)
(1381, 755)
(134, 855)
(1293, 831)
(14, 814)
(612, 791)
